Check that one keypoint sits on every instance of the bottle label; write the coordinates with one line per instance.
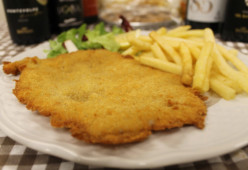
(69, 13)
(24, 30)
(206, 10)
(27, 20)
(243, 30)
(22, 10)
(24, 17)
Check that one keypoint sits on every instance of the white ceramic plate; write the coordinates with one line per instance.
(226, 130)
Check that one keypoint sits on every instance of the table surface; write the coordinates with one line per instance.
(16, 156)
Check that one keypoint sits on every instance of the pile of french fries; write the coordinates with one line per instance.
(193, 54)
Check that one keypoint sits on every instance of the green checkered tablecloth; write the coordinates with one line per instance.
(17, 156)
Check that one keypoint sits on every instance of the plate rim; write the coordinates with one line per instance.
(52, 149)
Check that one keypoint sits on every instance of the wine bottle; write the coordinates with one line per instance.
(66, 14)
(205, 13)
(235, 25)
(27, 20)
(90, 10)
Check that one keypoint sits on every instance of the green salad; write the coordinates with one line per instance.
(84, 38)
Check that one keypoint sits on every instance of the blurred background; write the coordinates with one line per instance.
(225, 17)
(160, 11)
(2, 15)
(33, 21)
(143, 13)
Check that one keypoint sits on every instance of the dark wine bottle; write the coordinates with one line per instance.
(28, 20)
(235, 25)
(90, 8)
(65, 14)
(205, 13)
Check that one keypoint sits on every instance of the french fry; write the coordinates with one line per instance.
(123, 42)
(171, 40)
(124, 39)
(187, 68)
(124, 45)
(228, 71)
(221, 89)
(147, 54)
(133, 34)
(190, 33)
(145, 38)
(175, 41)
(140, 45)
(195, 52)
(162, 31)
(158, 53)
(201, 67)
(227, 81)
(179, 29)
(234, 52)
(166, 47)
(126, 36)
(130, 51)
(196, 39)
(206, 82)
(209, 35)
(161, 65)
(233, 59)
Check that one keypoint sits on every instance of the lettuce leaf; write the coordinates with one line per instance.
(96, 38)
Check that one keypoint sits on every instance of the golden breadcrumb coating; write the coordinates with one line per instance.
(103, 97)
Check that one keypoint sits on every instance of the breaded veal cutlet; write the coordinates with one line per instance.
(103, 97)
